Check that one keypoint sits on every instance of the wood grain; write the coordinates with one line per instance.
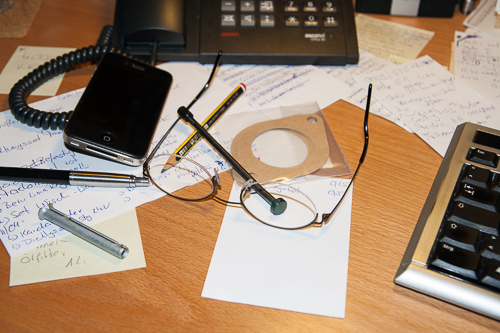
(165, 296)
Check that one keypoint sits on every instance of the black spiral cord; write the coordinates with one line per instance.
(25, 86)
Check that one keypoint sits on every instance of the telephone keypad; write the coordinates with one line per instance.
(310, 14)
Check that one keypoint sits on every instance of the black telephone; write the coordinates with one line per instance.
(248, 32)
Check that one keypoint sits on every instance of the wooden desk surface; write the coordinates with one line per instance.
(388, 196)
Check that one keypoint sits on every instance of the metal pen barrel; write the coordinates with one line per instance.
(277, 206)
(83, 231)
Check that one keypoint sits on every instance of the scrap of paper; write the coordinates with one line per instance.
(24, 60)
(24, 146)
(71, 257)
(296, 270)
(430, 100)
(477, 63)
(273, 86)
(392, 41)
(368, 63)
(484, 19)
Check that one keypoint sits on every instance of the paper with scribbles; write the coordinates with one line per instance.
(430, 100)
(395, 42)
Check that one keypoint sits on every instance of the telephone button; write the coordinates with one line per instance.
(228, 6)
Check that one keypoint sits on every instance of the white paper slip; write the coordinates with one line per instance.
(296, 270)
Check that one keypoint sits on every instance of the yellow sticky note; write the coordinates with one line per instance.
(24, 60)
(71, 256)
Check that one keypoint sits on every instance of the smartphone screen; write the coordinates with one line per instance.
(119, 110)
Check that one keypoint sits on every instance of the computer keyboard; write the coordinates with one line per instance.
(454, 252)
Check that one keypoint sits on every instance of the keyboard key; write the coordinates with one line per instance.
(477, 176)
(456, 260)
(484, 220)
(483, 157)
(478, 196)
(491, 273)
(491, 247)
(460, 235)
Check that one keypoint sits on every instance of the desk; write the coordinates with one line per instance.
(388, 195)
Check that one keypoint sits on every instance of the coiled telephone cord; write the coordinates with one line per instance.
(71, 60)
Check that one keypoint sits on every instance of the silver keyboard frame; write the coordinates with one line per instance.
(413, 272)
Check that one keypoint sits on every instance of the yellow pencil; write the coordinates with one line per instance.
(189, 143)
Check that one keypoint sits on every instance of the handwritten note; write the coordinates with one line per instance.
(71, 256)
(368, 63)
(477, 63)
(295, 270)
(273, 86)
(24, 60)
(429, 100)
(20, 228)
(392, 41)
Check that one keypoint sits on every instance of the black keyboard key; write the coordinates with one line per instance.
(456, 260)
(495, 183)
(491, 247)
(483, 157)
(484, 220)
(477, 176)
(478, 196)
(491, 273)
(460, 235)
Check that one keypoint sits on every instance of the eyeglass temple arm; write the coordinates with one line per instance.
(277, 206)
(325, 218)
(209, 82)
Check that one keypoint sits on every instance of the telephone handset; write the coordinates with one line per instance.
(248, 32)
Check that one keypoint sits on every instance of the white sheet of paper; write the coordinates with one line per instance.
(477, 64)
(71, 256)
(395, 42)
(429, 100)
(296, 270)
(23, 146)
(24, 60)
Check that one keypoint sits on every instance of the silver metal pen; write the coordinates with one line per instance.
(83, 231)
(67, 177)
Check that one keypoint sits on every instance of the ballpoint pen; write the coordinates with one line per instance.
(186, 146)
(83, 231)
(67, 177)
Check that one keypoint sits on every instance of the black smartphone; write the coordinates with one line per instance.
(119, 110)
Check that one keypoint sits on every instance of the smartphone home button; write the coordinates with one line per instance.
(107, 137)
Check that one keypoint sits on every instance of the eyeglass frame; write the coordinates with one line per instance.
(326, 217)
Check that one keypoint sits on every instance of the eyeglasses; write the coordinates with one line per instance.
(173, 174)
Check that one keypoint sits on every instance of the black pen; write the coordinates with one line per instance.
(67, 177)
